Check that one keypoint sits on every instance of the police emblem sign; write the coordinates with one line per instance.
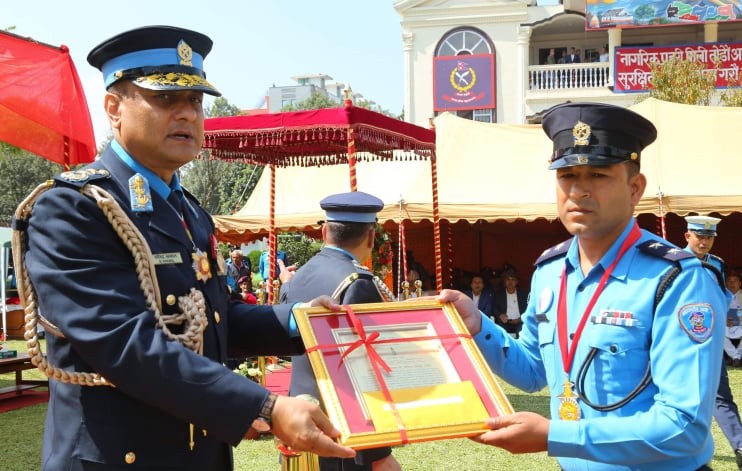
(464, 82)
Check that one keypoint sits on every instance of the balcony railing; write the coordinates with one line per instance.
(568, 76)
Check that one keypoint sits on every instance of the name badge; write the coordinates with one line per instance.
(171, 258)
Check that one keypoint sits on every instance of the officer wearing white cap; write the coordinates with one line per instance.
(700, 236)
(127, 269)
(337, 270)
(616, 318)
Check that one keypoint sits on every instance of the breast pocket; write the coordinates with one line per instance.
(621, 357)
(549, 351)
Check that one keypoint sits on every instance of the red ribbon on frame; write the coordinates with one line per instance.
(378, 363)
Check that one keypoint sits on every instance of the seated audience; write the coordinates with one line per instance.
(509, 303)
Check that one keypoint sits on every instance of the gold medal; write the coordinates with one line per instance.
(201, 265)
(569, 409)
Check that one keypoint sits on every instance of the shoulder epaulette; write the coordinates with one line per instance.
(663, 250)
(553, 252)
(717, 258)
(80, 178)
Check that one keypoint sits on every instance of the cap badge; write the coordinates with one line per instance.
(185, 53)
(581, 133)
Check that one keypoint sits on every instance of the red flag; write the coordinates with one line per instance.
(42, 103)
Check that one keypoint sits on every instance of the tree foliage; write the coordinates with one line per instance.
(221, 187)
(20, 172)
(316, 101)
(682, 81)
(686, 81)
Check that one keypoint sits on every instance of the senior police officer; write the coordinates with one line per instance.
(700, 237)
(615, 348)
(140, 303)
(348, 234)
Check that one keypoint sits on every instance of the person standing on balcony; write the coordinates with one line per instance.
(573, 57)
(551, 58)
(603, 54)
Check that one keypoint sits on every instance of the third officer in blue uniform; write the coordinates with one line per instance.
(700, 237)
(629, 353)
(337, 271)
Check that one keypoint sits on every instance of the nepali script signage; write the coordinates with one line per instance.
(605, 14)
(464, 82)
(633, 74)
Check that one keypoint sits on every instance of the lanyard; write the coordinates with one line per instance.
(568, 354)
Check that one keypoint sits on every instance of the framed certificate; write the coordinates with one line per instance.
(403, 372)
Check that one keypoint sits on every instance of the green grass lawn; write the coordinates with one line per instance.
(22, 452)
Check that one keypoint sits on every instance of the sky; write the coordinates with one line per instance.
(256, 43)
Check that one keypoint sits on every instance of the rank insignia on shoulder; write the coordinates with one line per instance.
(662, 250)
(139, 194)
(80, 178)
(554, 252)
(697, 320)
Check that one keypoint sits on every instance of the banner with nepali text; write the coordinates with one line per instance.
(632, 64)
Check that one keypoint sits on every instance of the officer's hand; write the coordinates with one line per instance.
(504, 318)
(522, 432)
(467, 309)
(324, 301)
(302, 426)
(285, 273)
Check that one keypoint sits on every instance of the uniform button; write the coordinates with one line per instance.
(614, 349)
(581, 288)
(488, 337)
(571, 336)
(170, 300)
(217, 317)
(130, 457)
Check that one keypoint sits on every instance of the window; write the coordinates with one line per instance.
(467, 41)
(462, 42)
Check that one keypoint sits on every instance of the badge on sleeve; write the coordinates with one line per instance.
(139, 195)
(697, 320)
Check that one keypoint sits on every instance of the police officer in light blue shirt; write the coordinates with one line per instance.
(700, 237)
(624, 328)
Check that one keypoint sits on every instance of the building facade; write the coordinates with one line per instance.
(494, 56)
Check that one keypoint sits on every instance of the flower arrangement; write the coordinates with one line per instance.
(249, 370)
(382, 254)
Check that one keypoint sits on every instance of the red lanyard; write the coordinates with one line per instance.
(569, 355)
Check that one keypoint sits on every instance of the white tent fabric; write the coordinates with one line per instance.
(500, 172)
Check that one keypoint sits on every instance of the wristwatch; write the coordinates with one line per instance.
(262, 423)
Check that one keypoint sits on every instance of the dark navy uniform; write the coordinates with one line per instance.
(323, 274)
(87, 285)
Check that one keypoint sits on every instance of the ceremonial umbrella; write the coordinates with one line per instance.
(330, 136)
(42, 103)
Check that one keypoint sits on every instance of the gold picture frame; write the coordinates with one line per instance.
(399, 372)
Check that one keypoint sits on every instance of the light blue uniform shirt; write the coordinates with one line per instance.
(667, 426)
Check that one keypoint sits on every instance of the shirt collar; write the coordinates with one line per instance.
(156, 183)
(343, 251)
(620, 272)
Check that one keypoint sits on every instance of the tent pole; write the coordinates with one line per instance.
(352, 160)
(662, 214)
(436, 225)
(272, 239)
